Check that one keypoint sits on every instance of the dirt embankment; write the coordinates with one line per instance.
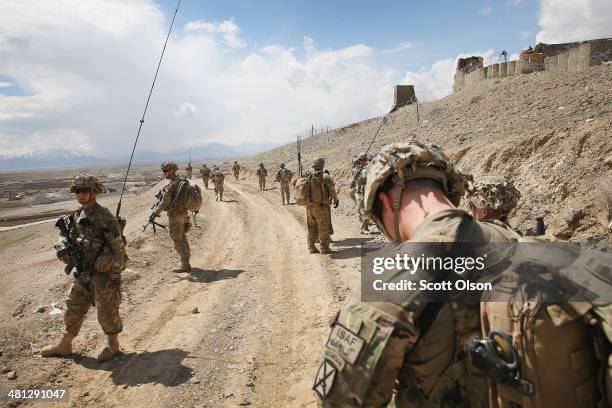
(550, 132)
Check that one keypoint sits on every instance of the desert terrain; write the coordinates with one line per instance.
(246, 327)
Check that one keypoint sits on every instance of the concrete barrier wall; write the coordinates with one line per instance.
(584, 56)
(494, 70)
(503, 69)
(573, 61)
(563, 61)
(511, 68)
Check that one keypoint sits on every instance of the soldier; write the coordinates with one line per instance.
(217, 179)
(236, 169)
(284, 176)
(492, 198)
(174, 203)
(357, 185)
(205, 172)
(262, 173)
(100, 258)
(318, 212)
(189, 170)
(409, 347)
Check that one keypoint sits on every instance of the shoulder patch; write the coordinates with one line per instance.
(325, 379)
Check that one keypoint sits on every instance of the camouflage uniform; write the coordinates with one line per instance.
(217, 179)
(236, 169)
(178, 218)
(410, 351)
(495, 194)
(358, 178)
(98, 236)
(283, 176)
(318, 213)
(205, 172)
(262, 173)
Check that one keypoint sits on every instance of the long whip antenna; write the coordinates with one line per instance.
(161, 57)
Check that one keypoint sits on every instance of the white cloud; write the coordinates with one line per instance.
(574, 20)
(187, 109)
(437, 81)
(88, 69)
(514, 2)
(6, 84)
(400, 47)
(486, 9)
(227, 28)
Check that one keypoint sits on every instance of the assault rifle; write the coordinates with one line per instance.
(76, 258)
(151, 221)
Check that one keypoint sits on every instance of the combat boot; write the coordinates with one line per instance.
(313, 249)
(185, 266)
(63, 348)
(111, 349)
(325, 249)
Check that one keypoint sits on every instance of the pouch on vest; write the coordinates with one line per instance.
(194, 198)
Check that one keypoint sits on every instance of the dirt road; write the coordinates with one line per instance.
(262, 300)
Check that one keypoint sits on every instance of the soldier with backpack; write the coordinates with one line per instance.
(236, 169)
(218, 178)
(177, 197)
(317, 191)
(262, 173)
(205, 172)
(284, 176)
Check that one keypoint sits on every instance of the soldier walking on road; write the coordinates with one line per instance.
(174, 199)
(236, 169)
(95, 246)
(284, 176)
(318, 212)
(262, 173)
(218, 178)
(205, 172)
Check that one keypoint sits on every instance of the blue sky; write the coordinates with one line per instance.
(75, 73)
(436, 28)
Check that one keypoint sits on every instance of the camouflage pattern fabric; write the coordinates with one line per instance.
(98, 234)
(107, 292)
(387, 363)
(412, 160)
(178, 225)
(87, 181)
(494, 193)
(318, 217)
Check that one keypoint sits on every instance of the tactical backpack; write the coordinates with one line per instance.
(545, 344)
(194, 198)
(302, 190)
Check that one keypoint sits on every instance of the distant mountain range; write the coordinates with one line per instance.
(61, 157)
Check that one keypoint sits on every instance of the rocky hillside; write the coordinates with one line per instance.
(550, 132)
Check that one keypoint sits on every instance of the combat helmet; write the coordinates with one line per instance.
(87, 181)
(407, 161)
(282, 165)
(495, 193)
(319, 163)
(362, 156)
(168, 165)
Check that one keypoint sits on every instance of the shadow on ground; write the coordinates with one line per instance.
(348, 248)
(157, 367)
(207, 276)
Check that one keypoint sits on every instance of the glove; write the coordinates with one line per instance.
(64, 256)
(336, 203)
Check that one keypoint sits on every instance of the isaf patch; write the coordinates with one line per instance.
(345, 343)
(326, 377)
